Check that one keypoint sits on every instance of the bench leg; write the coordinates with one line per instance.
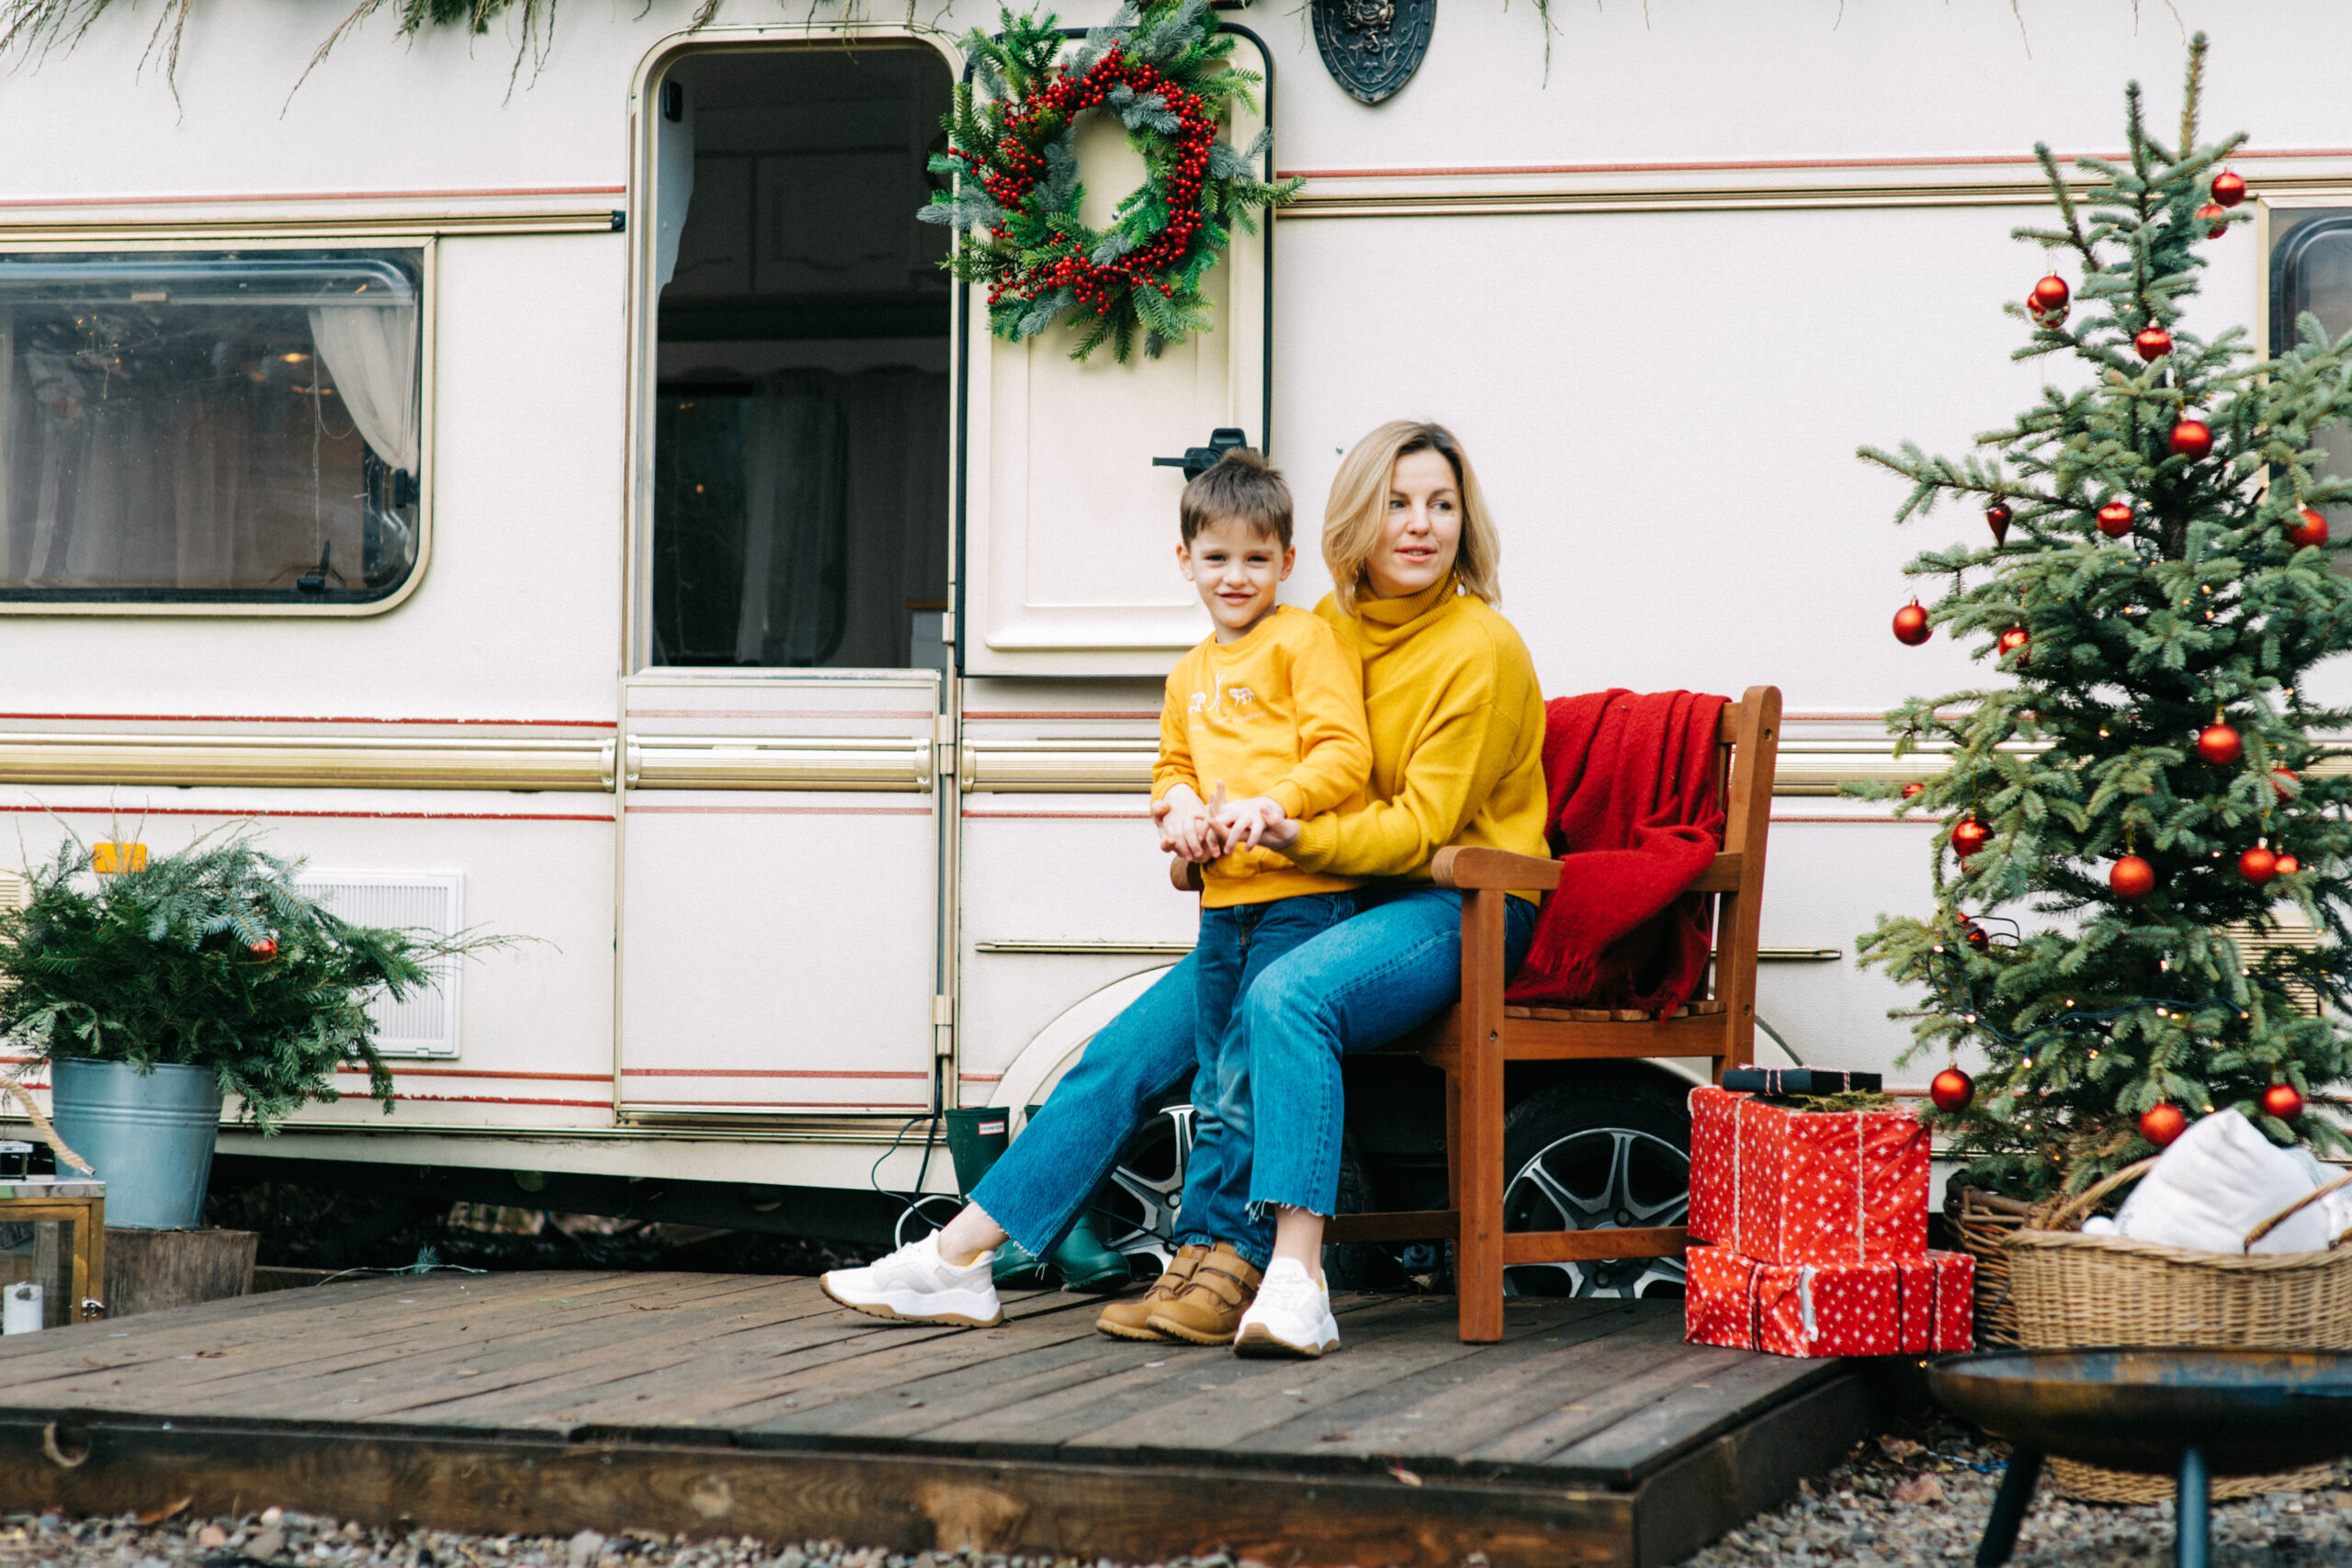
(1478, 1249)
(2193, 1521)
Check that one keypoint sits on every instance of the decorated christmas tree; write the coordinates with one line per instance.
(2140, 873)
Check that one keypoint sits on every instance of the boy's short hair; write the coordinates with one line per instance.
(1243, 489)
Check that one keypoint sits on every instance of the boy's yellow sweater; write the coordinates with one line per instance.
(1279, 712)
(1457, 731)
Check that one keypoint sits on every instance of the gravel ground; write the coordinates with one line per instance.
(1919, 1499)
(1923, 1498)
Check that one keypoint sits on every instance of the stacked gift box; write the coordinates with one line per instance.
(1809, 1225)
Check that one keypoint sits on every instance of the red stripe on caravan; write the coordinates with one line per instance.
(494, 1099)
(636, 810)
(1106, 713)
(753, 1073)
(407, 1072)
(359, 816)
(1971, 160)
(782, 713)
(288, 718)
(790, 1104)
(1088, 815)
(308, 195)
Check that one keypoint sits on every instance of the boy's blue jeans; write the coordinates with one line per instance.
(1236, 945)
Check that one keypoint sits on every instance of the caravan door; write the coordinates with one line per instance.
(782, 836)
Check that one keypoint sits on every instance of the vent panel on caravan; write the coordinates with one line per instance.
(424, 1023)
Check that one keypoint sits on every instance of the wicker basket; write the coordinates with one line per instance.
(1986, 1220)
(2068, 1290)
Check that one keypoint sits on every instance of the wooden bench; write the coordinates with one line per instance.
(1471, 1042)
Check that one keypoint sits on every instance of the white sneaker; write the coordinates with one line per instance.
(1292, 1315)
(915, 1285)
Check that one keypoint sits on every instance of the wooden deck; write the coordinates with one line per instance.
(722, 1404)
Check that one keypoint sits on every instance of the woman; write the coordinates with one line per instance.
(1457, 732)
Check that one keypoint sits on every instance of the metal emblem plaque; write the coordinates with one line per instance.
(1372, 47)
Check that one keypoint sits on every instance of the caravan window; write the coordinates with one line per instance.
(801, 416)
(219, 426)
(2310, 270)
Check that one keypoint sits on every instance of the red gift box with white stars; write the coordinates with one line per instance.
(1788, 1186)
(1895, 1306)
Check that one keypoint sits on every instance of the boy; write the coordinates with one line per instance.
(1264, 720)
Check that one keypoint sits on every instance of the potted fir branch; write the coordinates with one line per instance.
(153, 994)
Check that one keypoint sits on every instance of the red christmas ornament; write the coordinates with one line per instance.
(1997, 517)
(2258, 865)
(2131, 877)
(1913, 790)
(2014, 641)
(1968, 836)
(266, 948)
(1975, 935)
(2220, 745)
(2228, 189)
(1911, 626)
(2192, 438)
(2281, 777)
(2216, 216)
(1952, 1090)
(2160, 1124)
(2047, 301)
(2153, 343)
(2283, 1101)
(2289, 866)
(2307, 528)
(2115, 519)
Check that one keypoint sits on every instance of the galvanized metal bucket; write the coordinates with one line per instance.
(149, 1135)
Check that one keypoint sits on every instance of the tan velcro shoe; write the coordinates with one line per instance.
(1130, 1319)
(1209, 1308)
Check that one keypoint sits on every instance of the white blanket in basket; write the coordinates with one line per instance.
(2219, 1179)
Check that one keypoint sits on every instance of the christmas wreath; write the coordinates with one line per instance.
(1161, 69)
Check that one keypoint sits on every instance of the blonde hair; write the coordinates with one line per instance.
(1358, 509)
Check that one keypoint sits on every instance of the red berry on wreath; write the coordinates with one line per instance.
(2216, 216)
(2220, 745)
(2153, 343)
(1911, 626)
(2258, 865)
(2192, 438)
(2115, 519)
(2289, 866)
(2161, 1123)
(1952, 1090)
(1997, 517)
(2307, 528)
(1968, 836)
(2131, 878)
(2283, 1101)
(2228, 189)
(2047, 300)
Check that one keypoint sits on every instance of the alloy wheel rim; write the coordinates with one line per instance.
(1600, 1179)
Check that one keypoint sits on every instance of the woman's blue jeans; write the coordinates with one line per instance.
(1392, 967)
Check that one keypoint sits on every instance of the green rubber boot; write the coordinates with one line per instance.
(1083, 1263)
(1017, 1269)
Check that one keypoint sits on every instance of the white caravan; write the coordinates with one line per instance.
(571, 499)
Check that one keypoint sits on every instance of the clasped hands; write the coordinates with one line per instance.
(1202, 830)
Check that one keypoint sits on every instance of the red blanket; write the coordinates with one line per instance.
(1635, 817)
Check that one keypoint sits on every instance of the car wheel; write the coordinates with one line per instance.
(1137, 1208)
(1597, 1155)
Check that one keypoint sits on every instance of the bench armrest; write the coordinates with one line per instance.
(1469, 866)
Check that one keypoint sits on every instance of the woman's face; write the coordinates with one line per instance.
(1423, 530)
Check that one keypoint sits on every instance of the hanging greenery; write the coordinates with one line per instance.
(1163, 69)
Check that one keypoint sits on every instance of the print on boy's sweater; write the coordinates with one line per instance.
(1277, 712)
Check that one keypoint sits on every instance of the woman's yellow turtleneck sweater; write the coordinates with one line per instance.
(1457, 739)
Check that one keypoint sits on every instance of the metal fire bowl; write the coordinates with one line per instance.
(2249, 1411)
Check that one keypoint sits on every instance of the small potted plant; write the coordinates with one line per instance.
(156, 991)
